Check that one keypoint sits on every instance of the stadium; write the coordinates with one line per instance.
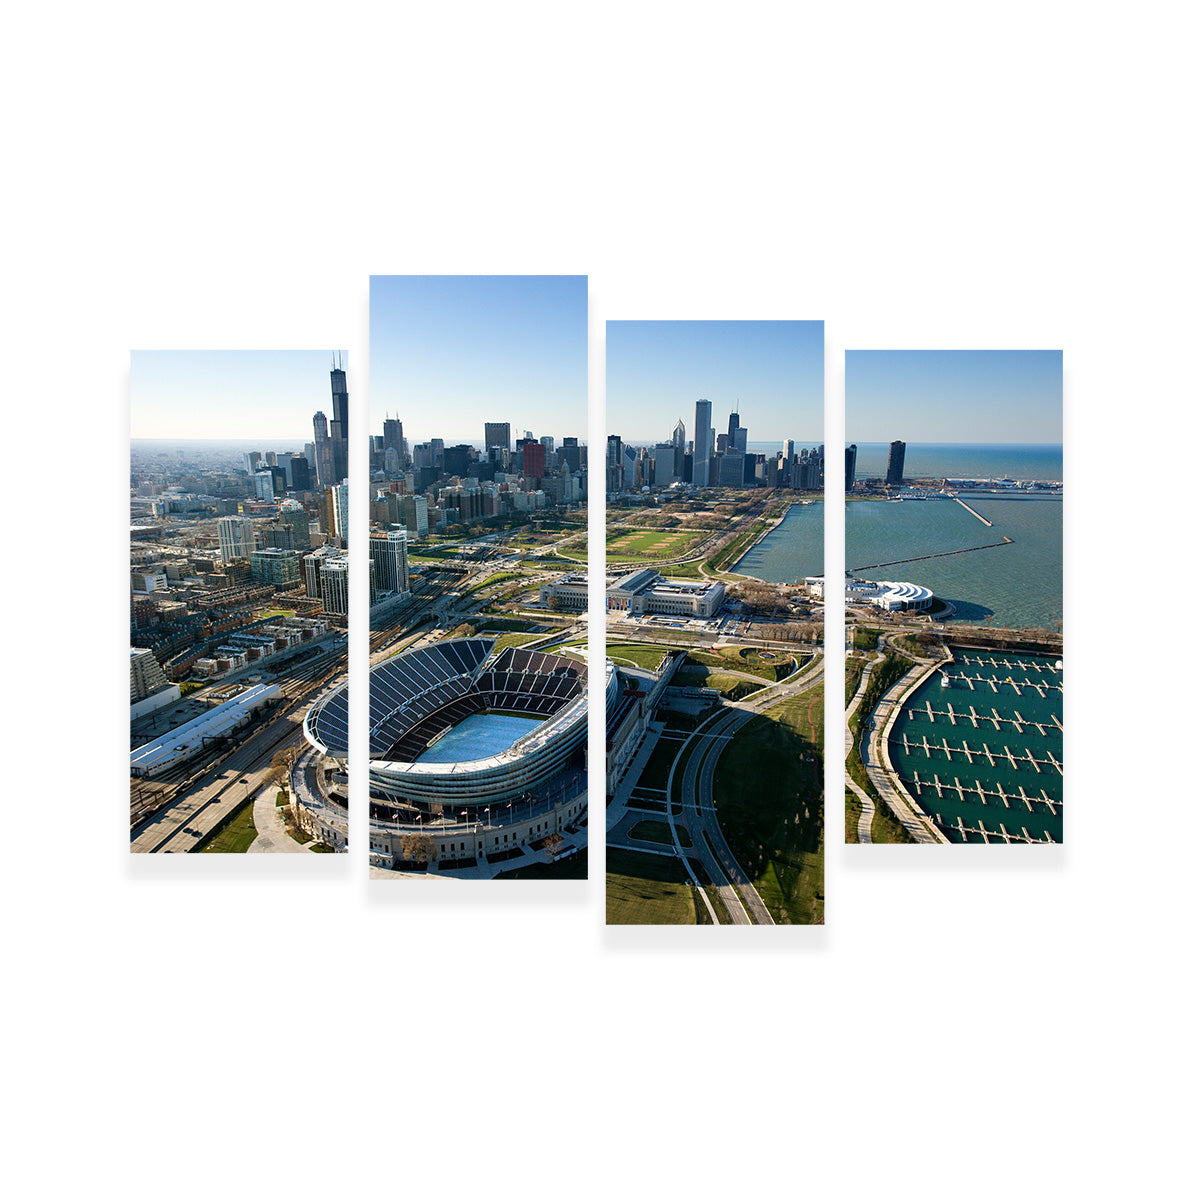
(476, 757)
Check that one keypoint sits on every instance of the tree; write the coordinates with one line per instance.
(281, 766)
(553, 841)
(417, 847)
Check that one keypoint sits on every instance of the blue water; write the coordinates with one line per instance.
(481, 735)
(795, 548)
(941, 460)
(1018, 585)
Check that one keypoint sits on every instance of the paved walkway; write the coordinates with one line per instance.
(633, 772)
(877, 725)
(868, 805)
(272, 837)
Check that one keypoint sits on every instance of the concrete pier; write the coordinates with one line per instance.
(973, 512)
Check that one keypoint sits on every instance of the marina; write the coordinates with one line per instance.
(986, 771)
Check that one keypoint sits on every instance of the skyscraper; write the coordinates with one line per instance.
(236, 537)
(679, 441)
(393, 436)
(851, 465)
(614, 464)
(534, 460)
(497, 433)
(323, 448)
(895, 471)
(341, 511)
(703, 443)
(339, 429)
(390, 556)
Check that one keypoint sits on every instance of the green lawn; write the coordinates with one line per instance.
(885, 829)
(234, 835)
(504, 640)
(658, 767)
(768, 791)
(659, 831)
(649, 889)
(641, 654)
(730, 686)
(623, 544)
(574, 867)
(853, 811)
(854, 670)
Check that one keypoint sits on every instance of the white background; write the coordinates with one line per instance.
(969, 1022)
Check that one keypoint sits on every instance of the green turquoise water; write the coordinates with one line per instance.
(1014, 742)
(1017, 585)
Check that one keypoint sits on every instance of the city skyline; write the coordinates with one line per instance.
(243, 396)
(771, 372)
(954, 396)
(451, 352)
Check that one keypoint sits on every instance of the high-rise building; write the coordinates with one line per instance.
(253, 458)
(279, 536)
(393, 435)
(703, 448)
(456, 460)
(326, 463)
(312, 564)
(732, 469)
(895, 470)
(614, 464)
(389, 553)
(145, 675)
(236, 537)
(497, 433)
(339, 429)
(415, 511)
(534, 460)
(264, 485)
(296, 515)
(279, 567)
(296, 468)
(341, 510)
(335, 585)
(851, 465)
(664, 464)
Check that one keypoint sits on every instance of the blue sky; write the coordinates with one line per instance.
(449, 352)
(264, 396)
(657, 370)
(954, 395)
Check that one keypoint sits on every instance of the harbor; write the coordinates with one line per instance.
(978, 747)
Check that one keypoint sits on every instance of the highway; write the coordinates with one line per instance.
(203, 800)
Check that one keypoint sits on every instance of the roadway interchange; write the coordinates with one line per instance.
(696, 764)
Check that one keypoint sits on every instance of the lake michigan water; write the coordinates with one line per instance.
(1019, 585)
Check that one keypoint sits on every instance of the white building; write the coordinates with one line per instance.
(236, 537)
(646, 591)
(390, 556)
